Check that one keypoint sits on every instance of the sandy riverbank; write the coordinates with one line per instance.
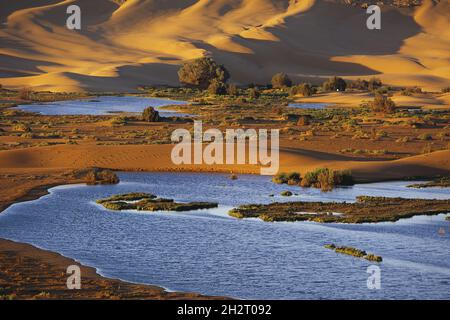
(28, 272)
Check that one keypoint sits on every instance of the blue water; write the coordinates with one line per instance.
(103, 105)
(308, 105)
(209, 252)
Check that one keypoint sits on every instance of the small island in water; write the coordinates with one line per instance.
(354, 252)
(150, 202)
(365, 209)
(442, 182)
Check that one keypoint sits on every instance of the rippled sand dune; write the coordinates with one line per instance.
(144, 41)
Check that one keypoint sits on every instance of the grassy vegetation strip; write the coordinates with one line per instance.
(443, 182)
(354, 252)
(149, 202)
(365, 209)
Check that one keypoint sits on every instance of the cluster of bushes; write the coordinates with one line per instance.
(382, 104)
(305, 89)
(150, 115)
(99, 176)
(204, 73)
(281, 80)
(361, 84)
(323, 178)
(410, 91)
(334, 84)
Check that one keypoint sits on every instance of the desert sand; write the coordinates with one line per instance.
(158, 158)
(145, 41)
(355, 99)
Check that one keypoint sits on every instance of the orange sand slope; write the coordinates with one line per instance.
(157, 158)
(144, 41)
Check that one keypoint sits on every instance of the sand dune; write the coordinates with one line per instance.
(143, 42)
(157, 158)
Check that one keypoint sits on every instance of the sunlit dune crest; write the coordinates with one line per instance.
(143, 42)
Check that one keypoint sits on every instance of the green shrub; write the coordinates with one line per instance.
(374, 84)
(21, 127)
(253, 93)
(326, 179)
(334, 84)
(280, 178)
(281, 80)
(232, 90)
(304, 89)
(118, 121)
(383, 104)
(150, 115)
(99, 176)
(217, 87)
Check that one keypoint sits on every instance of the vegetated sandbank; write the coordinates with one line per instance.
(149, 202)
(365, 209)
(442, 182)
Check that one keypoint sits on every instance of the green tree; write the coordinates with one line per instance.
(281, 80)
(334, 84)
(201, 72)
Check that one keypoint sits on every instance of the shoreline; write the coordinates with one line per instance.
(24, 255)
(11, 248)
(19, 263)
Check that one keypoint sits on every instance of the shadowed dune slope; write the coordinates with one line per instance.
(143, 42)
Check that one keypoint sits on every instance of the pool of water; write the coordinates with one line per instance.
(103, 105)
(209, 252)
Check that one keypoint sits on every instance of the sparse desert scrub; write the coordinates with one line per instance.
(254, 93)
(403, 139)
(118, 121)
(22, 127)
(365, 151)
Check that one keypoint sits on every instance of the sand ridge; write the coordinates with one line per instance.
(143, 42)
(158, 158)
